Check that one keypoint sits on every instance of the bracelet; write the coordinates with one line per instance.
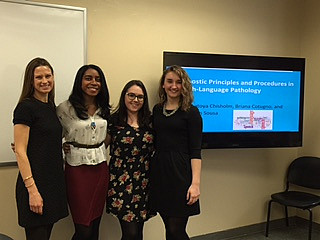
(27, 178)
(30, 185)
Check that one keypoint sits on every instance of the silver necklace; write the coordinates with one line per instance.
(170, 113)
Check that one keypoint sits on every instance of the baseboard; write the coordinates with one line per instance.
(255, 228)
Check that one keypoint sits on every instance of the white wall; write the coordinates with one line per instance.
(310, 49)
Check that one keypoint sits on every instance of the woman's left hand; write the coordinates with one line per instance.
(13, 147)
(193, 194)
(66, 147)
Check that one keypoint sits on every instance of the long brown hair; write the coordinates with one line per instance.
(28, 88)
(143, 114)
(186, 97)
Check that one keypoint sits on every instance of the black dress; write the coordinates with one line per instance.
(45, 156)
(178, 140)
(130, 150)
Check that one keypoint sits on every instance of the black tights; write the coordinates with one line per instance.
(175, 227)
(39, 233)
(90, 232)
(131, 230)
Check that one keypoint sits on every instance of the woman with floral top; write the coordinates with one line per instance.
(131, 147)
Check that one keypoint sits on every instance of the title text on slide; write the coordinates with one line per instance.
(230, 86)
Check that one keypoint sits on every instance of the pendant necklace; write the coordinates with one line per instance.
(93, 124)
(170, 113)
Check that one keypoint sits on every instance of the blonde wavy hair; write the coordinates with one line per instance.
(186, 98)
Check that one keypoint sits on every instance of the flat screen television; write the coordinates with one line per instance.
(246, 101)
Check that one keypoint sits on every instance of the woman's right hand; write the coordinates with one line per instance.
(66, 147)
(21, 137)
(35, 200)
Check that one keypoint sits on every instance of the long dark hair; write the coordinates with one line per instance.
(28, 87)
(121, 110)
(76, 97)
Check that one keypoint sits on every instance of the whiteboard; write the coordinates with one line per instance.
(28, 30)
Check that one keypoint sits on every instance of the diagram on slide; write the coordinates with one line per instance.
(252, 120)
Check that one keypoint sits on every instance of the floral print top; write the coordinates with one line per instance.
(130, 150)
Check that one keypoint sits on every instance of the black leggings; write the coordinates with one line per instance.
(131, 230)
(39, 233)
(90, 232)
(175, 227)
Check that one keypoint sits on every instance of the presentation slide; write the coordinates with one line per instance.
(242, 100)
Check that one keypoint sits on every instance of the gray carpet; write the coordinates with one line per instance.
(298, 230)
(292, 233)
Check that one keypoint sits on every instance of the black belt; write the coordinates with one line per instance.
(79, 145)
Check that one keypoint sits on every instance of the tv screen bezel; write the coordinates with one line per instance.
(217, 140)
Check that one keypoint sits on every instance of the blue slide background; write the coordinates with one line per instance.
(219, 119)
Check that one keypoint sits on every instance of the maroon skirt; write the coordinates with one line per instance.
(87, 187)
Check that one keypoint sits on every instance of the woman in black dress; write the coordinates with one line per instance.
(40, 189)
(131, 147)
(175, 170)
